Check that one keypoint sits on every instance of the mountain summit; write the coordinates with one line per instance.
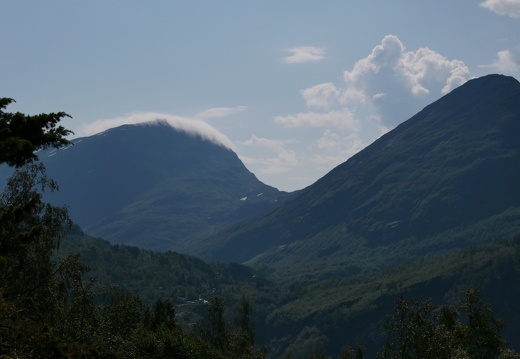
(154, 186)
(446, 178)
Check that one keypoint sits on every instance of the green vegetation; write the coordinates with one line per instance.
(22, 135)
(324, 281)
(444, 180)
(322, 316)
(420, 330)
(184, 280)
(304, 316)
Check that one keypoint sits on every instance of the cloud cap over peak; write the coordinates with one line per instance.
(191, 126)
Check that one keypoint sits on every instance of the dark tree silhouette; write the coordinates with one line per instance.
(22, 135)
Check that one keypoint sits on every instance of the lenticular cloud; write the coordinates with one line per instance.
(302, 54)
(191, 126)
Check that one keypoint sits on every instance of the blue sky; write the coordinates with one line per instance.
(294, 87)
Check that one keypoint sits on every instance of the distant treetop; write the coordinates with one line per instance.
(22, 135)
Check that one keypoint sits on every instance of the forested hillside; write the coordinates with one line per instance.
(345, 279)
(321, 317)
(441, 181)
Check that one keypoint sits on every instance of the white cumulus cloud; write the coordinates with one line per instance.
(384, 88)
(321, 95)
(191, 126)
(509, 8)
(505, 62)
(301, 54)
(391, 83)
(395, 81)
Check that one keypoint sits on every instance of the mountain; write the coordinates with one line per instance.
(154, 186)
(445, 179)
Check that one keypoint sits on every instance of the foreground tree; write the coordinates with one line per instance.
(22, 135)
(418, 329)
(234, 340)
(241, 338)
(351, 353)
(30, 230)
(216, 333)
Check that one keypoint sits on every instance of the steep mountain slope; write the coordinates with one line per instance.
(446, 178)
(154, 186)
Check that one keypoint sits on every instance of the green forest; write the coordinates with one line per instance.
(64, 294)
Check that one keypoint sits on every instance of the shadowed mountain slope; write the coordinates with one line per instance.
(154, 186)
(446, 178)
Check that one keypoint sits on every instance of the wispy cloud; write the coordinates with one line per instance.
(334, 147)
(283, 161)
(220, 112)
(343, 118)
(301, 54)
(191, 126)
(273, 145)
(505, 62)
(509, 8)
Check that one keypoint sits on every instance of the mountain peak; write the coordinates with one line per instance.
(190, 126)
(154, 185)
(482, 90)
(446, 178)
(494, 79)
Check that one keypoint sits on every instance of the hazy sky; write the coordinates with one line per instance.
(294, 87)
